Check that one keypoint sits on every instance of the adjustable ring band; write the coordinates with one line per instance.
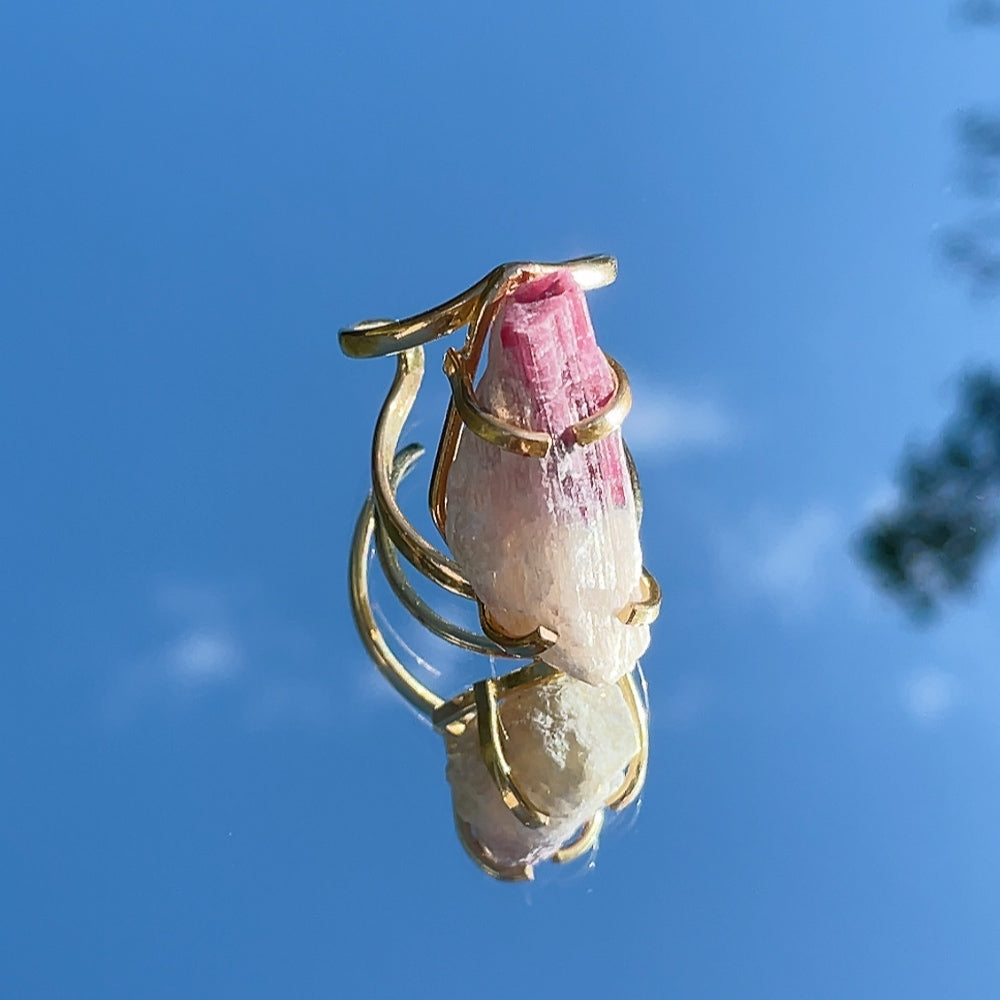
(398, 403)
(420, 697)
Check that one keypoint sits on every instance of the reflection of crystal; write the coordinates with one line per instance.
(568, 744)
(550, 541)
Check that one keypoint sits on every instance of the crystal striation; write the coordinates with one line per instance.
(568, 744)
(551, 541)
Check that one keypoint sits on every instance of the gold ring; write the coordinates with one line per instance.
(382, 525)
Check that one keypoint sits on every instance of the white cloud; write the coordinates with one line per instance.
(928, 695)
(218, 642)
(792, 561)
(203, 656)
(664, 421)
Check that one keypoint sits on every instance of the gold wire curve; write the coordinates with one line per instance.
(533, 444)
(461, 709)
(538, 639)
(377, 337)
(491, 750)
(420, 697)
(388, 428)
(610, 417)
(482, 423)
(585, 839)
(414, 603)
(455, 714)
(635, 773)
(393, 526)
(646, 610)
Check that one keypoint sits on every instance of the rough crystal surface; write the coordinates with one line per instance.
(568, 744)
(551, 541)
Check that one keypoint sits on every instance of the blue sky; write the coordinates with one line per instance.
(206, 790)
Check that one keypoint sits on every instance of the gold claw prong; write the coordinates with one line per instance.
(492, 750)
(482, 423)
(585, 840)
(537, 640)
(646, 610)
(635, 773)
(610, 417)
(462, 708)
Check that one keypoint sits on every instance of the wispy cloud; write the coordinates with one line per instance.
(928, 695)
(790, 560)
(665, 422)
(218, 644)
(204, 656)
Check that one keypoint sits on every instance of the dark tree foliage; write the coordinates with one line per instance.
(974, 248)
(947, 515)
(980, 13)
(948, 512)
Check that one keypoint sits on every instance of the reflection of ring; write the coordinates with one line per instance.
(483, 710)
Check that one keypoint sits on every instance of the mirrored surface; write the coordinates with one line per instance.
(207, 788)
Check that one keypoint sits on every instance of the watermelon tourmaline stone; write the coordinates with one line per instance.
(550, 541)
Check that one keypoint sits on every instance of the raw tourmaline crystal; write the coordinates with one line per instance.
(568, 744)
(551, 541)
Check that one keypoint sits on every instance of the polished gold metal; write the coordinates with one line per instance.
(507, 647)
(420, 697)
(455, 714)
(377, 337)
(635, 775)
(646, 610)
(584, 841)
(388, 428)
(383, 523)
(538, 639)
(610, 417)
(533, 444)
(493, 430)
(489, 729)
